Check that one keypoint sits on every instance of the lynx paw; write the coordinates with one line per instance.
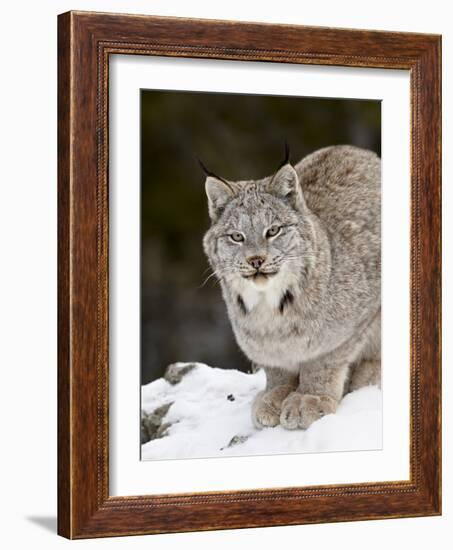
(267, 406)
(301, 410)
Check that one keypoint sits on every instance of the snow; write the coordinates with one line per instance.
(210, 417)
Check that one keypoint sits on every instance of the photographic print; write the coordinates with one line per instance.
(260, 275)
(221, 222)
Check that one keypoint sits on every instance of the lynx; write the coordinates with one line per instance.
(298, 257)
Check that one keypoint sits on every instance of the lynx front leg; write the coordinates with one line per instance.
(266, 407)
(321, 388)
(366, 373)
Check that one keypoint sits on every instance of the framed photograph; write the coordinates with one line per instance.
(249, 275)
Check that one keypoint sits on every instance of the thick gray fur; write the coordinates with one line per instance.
(313, 323)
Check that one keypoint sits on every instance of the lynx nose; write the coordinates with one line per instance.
(256, 261)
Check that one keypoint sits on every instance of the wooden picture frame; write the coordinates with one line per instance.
(85, 42)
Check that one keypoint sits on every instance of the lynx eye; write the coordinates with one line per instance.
(273, 231)
(237, 237)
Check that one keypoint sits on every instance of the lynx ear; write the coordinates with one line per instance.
(219, 194)
(285, 185)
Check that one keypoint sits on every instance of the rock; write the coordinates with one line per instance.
(236, 440)
(163, 430)
(152, 426)
(175, 372)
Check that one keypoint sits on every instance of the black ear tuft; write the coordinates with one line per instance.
(287, 159)
(208, 173)
(203, 167)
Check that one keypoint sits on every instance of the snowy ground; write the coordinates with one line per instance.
(209, 416)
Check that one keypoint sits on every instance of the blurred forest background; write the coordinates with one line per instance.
(237, 137)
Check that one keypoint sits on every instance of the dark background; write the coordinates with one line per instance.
(237, 137)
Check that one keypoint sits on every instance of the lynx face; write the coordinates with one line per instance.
(257, 235)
